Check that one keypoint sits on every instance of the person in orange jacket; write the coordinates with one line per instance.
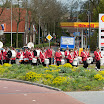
(71, 57)
(97, 54)
(58, 57)
(84, 58)
(67, 52)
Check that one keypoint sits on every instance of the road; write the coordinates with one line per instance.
(22, 93)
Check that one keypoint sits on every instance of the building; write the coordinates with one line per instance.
(18, 17)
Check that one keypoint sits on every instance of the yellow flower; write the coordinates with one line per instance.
(101, 72)
(98, 77)
(6, 64)
(59, 80)
(67, 65)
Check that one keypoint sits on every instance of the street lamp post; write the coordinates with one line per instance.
(11, 23)
(39, 31)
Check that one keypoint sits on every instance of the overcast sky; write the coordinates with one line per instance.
(65, 1)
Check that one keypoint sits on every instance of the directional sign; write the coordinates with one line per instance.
(67, 42)
(49, 37)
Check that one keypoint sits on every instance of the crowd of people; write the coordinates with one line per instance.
(39, 56)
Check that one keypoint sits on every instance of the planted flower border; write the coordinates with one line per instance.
(65, 77)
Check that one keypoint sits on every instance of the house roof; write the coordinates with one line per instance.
(6, 18)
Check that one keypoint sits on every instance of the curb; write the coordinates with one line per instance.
(27, 82)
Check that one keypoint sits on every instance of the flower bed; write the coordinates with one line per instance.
(64, 77)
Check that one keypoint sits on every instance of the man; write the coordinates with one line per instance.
(0, 57)
(67, 52)
(49, 55)
(97, 54)
(58, 57)
(76, 54)
(43, 57)
(71, 57)
(30, 56)
(13, 59)
(84, 58)
(20, 56)
(5, 56)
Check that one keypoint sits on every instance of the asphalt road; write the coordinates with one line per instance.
(21, 93)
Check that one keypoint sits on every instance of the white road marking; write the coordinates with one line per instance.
(5, 87)
(34, 100)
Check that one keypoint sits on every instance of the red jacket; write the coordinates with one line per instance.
(30, 55)
(0, 55)
(42, 56)
(88, 55)
(97, 55)
(58, 56)
(66, 54)
(26, 54)
(84, 56)
(71, 57)
(14, 58)
(19, 54)
(49, 53)
(76, 54)
(5, 56)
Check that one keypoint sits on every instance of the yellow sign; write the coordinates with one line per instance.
(49, 37)
(79, 24)
(80, 50)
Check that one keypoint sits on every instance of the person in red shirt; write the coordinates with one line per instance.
(26, 60)
(71, 57)
(42, 57)
(76, 53)
(84, 58)
(5, 57)
(20, 56)
(49, 54)
(13, 59)
(58, 57)
(0, 57)
(97, 54)
(67, 52)
(30, 56)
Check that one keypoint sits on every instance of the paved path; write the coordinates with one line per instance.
(88, 97)
(20, 93)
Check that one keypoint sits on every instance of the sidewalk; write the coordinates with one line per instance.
(88, 97)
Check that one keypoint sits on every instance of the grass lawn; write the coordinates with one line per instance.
(64, 77)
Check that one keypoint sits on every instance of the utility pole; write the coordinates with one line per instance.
(11, 23)
(89, 22)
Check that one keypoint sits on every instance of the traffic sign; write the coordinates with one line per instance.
(49, 37)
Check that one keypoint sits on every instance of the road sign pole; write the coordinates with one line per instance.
(49, 43)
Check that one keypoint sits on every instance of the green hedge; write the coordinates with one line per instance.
(44, 45)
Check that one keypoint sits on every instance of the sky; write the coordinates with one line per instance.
(65, 1)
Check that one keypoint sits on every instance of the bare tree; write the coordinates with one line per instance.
(19, 16)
